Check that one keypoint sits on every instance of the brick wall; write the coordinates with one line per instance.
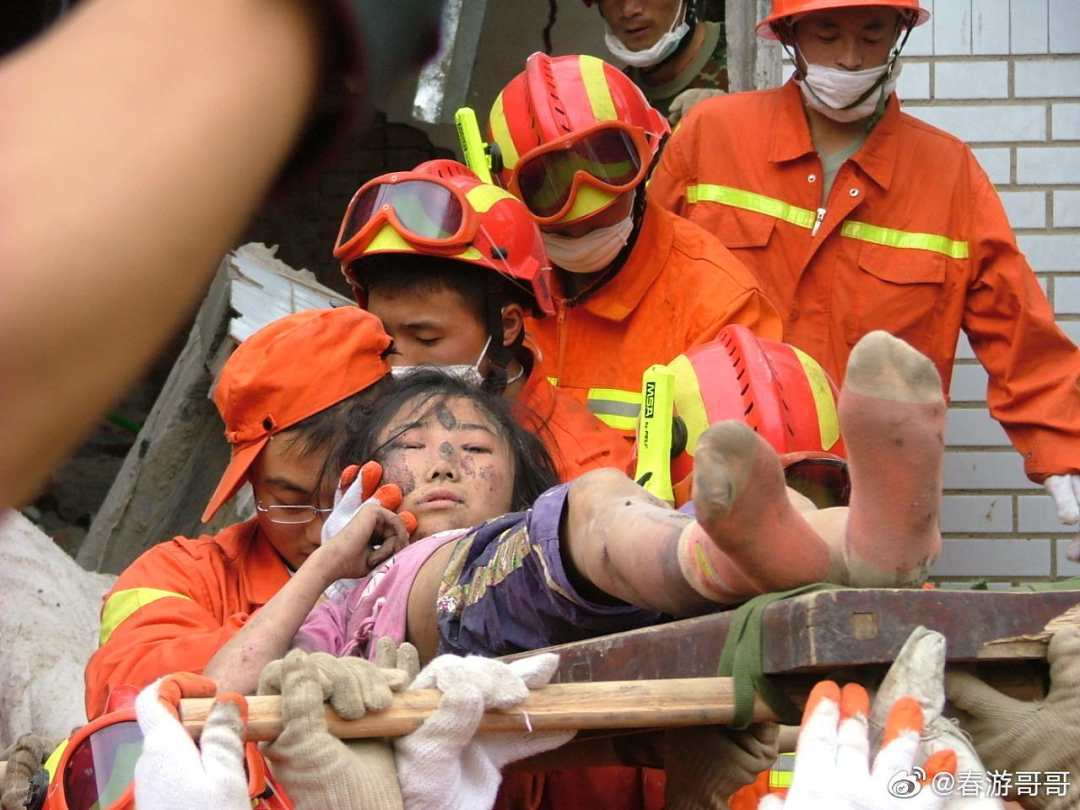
(1004, 75)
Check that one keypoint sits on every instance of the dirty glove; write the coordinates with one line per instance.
(919, 672)
(832, 758)
(356, 487)
(681, 104)
(172, 773)
(1016, 735)
(707, 764)
(445, 764)
(24, 759)
(317, 769)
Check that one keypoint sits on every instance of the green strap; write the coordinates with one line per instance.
(741, 659)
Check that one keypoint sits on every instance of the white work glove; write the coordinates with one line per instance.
(1020, 736)
(832, 759)
(357, 486)
(317, 769)
(445, 764)
(919, 672)
(172, 773)
(681, 104)
(1065, 490)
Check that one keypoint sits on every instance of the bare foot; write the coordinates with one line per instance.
(892, 417)
(748, 538)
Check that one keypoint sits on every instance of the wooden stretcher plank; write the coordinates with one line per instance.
(826, 630)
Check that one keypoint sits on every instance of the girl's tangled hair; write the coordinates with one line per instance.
(425, 388)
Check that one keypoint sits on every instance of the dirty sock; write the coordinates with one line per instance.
(892, 417)
(748, 538)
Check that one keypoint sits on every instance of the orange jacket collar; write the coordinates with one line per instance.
(620, 296)
(791, 137)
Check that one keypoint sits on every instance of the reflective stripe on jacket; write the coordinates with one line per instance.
(677, 289)
(913, 240)
(177, 605)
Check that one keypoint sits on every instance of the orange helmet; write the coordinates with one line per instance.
(782, 9)
(573, 133)
(441, 208)
(780, 391)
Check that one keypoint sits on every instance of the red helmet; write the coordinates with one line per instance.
(94, 768)
(782, 9)
(573, 132)
(441, 208)
(780, 391)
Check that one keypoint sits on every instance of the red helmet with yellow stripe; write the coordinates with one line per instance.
(573, 133)
(441, 208)
(777, 389)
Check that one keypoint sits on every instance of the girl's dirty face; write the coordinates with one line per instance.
(453, 467)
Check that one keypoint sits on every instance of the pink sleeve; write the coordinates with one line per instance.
(324, 628)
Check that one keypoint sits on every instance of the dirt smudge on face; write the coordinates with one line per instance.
(445, 416)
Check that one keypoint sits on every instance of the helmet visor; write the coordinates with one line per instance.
(102, 767)
(423, 210)
(609, 156)
(825, 481)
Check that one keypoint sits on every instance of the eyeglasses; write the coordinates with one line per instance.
(422, 209)
(611, 156)
(289, 515)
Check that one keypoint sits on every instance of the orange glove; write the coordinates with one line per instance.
(350, 497)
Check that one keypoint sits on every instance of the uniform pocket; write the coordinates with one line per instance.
(899, 290)
(738, 228)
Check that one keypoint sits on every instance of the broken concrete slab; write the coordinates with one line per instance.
(49, 609)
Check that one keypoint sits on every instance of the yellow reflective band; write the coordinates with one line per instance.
(554, 381)
(588, 200)
(54, 759)
(469, 253)
(824, 403)
(484, 196)
(689, 404)
(907, 240)
(749, 201)
(388, 239)
(123, 603)
(500, 131)
(614, 407)
(782, 773)
(596, 87)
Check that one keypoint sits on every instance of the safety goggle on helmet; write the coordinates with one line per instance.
(441, 208)
(94, 769)
(779, 391)
(573, 133)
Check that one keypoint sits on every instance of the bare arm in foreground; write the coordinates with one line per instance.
(138, 139)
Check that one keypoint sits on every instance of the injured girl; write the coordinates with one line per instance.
(600, 555)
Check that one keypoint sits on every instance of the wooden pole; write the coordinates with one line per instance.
(667, 703)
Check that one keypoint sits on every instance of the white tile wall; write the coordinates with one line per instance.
(971, 79)
(991, 123)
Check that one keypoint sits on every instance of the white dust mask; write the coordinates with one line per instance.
(848, 95)
(466, 373)
(591, 252)
(658, 52)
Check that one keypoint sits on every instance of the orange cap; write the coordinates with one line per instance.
(287, 371)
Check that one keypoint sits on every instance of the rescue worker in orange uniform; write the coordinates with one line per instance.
(286, 396)
(634, 285)
(855, 216)
(451, 266)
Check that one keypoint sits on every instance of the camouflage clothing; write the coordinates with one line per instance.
(708, 69)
